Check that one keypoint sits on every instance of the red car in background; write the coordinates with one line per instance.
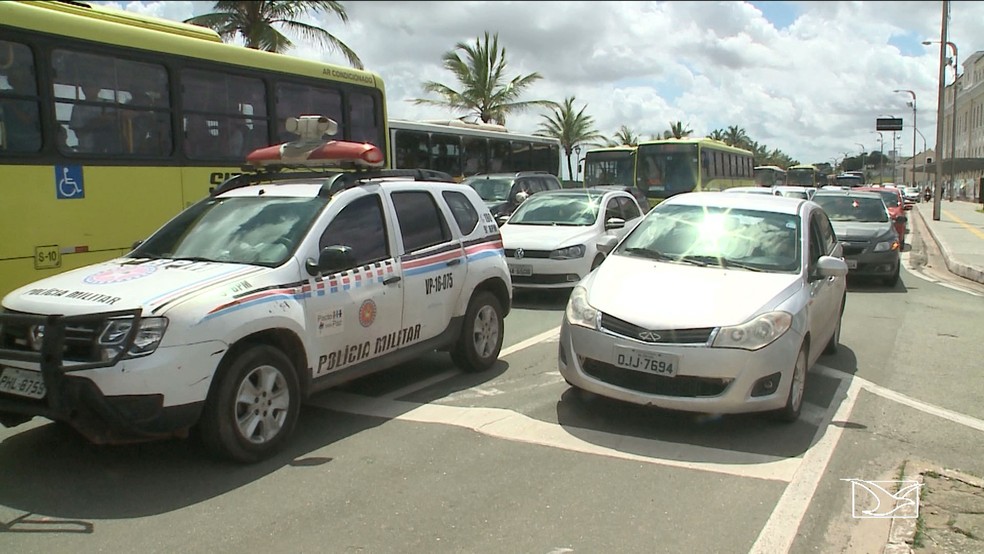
(897, 207)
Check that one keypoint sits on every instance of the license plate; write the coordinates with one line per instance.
(657, 363)
(852, 264)
(22, 382)
(521, 270)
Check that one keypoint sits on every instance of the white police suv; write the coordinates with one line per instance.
(279, 284)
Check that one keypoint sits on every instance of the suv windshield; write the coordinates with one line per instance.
(260, 230)
(491, 190)
(852, 208)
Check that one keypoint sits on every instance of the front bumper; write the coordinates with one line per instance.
(112, 401)
(546, 273)
(873, 264)
(709, 380)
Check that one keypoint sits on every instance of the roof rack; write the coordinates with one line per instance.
(335, 180)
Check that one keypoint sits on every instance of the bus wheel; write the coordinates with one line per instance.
(253, 405)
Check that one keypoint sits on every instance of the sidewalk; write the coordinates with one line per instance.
(960, 235)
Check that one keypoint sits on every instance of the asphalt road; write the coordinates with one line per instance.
(424, 458)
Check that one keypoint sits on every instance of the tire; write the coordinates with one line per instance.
(481, 334)
(797, 388)
(268, 376)
(893, 280)
(834, 342)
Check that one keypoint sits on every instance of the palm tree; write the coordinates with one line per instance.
(624, 137)
(677, 131)
(718, 134)
(736, 136)
(485, 93)
(256, 22)
(569, 127)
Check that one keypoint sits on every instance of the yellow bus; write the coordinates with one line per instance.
(111, 123)
(673, 166)
(613, 165)
(769, 175)
(462, 149)
(803, 175)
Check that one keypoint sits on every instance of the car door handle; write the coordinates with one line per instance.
(391, 280)
(455, 261)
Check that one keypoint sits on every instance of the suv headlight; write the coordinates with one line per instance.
(148, 337)
(569, 253)
(755, 334)
(579, 312)
(886, 244)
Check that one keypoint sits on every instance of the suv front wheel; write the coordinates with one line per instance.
(481, 334)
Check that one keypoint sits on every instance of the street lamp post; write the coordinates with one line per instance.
(913, 104)
(577, 157)
(938, 191)
(881, 155)
(862, 162)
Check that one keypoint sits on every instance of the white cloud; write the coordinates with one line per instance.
(812, 89)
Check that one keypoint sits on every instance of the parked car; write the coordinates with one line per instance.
(896, 205)
(504, 192)
(744, 295)
(551, 240)
(871, 244)
(640, 197)
(911, 195)
(273, 287)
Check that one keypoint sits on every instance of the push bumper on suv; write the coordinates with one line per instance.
(71, 393)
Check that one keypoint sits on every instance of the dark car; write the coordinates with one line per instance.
(866, 232)
(504, 192)
(634, 191)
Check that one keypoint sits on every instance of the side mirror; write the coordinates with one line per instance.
(902, 218)
(606, 245)
(521, 196)
(502, 219)
(614, 223)
(829, 266)
(332, 259)
(908, 206)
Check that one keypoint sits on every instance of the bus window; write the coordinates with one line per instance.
(20, 124)
(410, 149)
(446, 154)
(500, 150)
(362, 122)
(521, 156)
(474, 155)
(294, 100)
(225, 115)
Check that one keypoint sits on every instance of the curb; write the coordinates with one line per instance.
(955, 267)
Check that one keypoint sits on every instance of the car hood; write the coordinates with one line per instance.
(857, 230)
(545, 237)
(667, 295)
(127, 283)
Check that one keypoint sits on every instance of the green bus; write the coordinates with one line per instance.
(614, 165)
(667, 167)
(803, 175)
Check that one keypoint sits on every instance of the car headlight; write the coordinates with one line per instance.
(755, 334)
(148, 337)
(886, 245)
(579, 312)
(569, 253)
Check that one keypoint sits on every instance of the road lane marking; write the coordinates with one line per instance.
(421, 385)
(532, 341)
(950, 415)
(918, 273)
(512, 426)
(967, 226)
(783, 525)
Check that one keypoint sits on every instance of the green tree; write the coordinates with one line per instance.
(736, 136)
(677, 131)
(718, 134)
(624, 137)
(570, 127)
(486, 92)
(257, 22)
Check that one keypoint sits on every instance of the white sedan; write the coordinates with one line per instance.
(551, 241)
(744, 292)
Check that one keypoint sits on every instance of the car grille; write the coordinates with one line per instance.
(542, 279)
(679, 386)
(511, 253)
(80, 339)
(853, 248)
(670, 336)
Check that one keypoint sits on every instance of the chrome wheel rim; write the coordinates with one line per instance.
(261, 404)
(486, 332)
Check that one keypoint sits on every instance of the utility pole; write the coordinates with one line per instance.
(938, 186)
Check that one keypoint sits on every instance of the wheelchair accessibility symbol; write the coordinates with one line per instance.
(68, 182)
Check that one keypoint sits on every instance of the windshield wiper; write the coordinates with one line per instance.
(649, 253)
(195, 259)
(732, 263)
(726, 263)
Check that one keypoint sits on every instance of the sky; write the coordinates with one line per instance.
(808, 78)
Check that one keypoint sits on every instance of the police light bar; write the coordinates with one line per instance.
(310, 149)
